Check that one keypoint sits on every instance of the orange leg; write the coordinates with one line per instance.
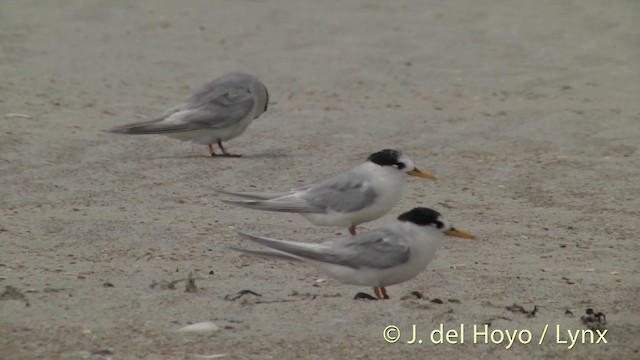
(352, 230)
(383, 291)
(376, 291)
(213, 153)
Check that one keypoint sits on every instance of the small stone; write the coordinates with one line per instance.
(206, 326)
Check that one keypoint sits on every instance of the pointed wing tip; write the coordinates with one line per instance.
(246, 236)
(115, 130)
(122, 129)
(238, 203)
(231, 193)
(235, 248)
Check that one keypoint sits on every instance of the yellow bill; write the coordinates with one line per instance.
(458, 233)
(420, 173)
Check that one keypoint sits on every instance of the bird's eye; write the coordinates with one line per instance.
(400, 165)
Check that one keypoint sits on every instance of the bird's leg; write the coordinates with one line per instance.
(383, 291)
(225, 153)
(376, 291)
(352, 230)
(213, 153)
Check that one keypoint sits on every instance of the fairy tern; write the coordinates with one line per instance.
(359, 195)
(381, 257)
(220, 110)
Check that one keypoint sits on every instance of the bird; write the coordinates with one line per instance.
(381, 257)
(220, 110)
(348, 199)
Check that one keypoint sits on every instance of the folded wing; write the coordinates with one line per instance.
(213, 107)
(376, 249)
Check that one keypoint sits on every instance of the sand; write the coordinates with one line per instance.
(527, 112)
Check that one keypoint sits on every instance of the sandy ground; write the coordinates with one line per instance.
(526, 111)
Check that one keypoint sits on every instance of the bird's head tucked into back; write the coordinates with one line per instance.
(262, 97)
(422, 216)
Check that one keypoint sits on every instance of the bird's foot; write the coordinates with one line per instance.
(381, 293)
(224, 152)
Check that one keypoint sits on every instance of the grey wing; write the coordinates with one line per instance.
(216, 105)
(377, 249)
(288, 249)
(346, 192)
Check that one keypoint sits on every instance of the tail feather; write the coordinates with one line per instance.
(304, 252)
(272, 254)
(153, 126)
(299, 207)
(150, 127)
(255, 195)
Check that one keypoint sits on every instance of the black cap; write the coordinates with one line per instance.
(386, 157)
(422, 216)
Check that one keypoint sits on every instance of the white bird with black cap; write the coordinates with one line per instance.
(351, 198)
(385, 256)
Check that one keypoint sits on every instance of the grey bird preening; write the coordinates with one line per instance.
(381, 257)
(219, 111)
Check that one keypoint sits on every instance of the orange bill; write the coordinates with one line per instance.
(420, 173)
(458, 233)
